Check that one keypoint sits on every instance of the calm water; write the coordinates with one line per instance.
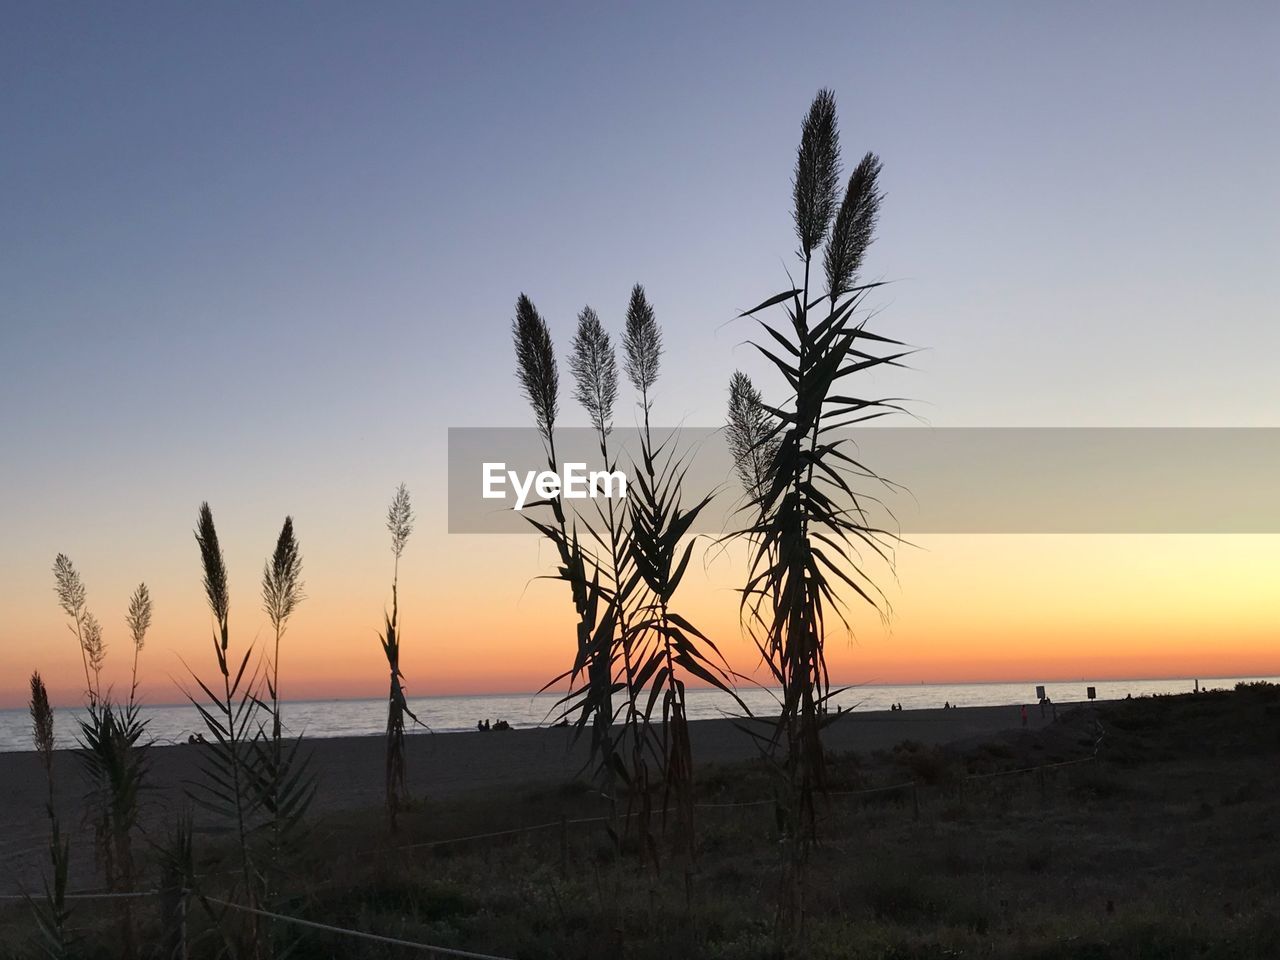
(337, 718)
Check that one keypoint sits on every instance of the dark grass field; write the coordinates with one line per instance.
(1163, 847)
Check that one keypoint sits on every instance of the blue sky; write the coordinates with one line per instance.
(267, 254)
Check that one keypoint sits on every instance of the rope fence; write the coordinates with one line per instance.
(100, 895)
(357, 934)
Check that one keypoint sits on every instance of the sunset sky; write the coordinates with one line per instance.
(265, 256)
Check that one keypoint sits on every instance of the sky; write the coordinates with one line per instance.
(265, 256)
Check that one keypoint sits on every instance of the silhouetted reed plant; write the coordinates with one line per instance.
(281, 594)
(666, 649)
(594, 366)
(52, 912)
(399, 525)
(808, 533)
(624, 567)
(110, 736)
(229, 713)
(255, 781)
(284, 782)
(176, 856)
(590, 678)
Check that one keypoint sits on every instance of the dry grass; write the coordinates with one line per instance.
(1169, 857)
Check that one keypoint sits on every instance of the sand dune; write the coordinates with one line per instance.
(350, 772)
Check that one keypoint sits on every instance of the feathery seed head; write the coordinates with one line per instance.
(642, 342)
(595, 370)
(399, 520)
(817, 172)
(282, 577)
(751, 434)
(139, 616)
(69, 587)
(854, 227)
(215, 568)
(95, 648)
(41, 719)
(536, 364)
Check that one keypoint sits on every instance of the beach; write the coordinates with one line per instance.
(349, 772)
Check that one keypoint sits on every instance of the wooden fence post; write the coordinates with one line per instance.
(180, 947)
(564, 846)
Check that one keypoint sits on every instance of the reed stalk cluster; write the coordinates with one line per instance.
(810, 545)
(623, 565)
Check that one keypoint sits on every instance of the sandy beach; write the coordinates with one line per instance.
(445, 765)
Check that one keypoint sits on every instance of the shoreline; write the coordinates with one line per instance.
(1030, 684)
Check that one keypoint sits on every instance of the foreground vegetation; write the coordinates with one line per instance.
(1165, 846)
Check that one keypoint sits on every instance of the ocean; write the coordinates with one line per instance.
(341, 718)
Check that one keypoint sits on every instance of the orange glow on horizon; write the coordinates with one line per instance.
(965, 609)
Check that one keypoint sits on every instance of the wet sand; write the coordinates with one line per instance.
(444, 765)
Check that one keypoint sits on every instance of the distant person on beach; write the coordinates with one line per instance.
(1024, 714)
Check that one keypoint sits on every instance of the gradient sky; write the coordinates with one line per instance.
(265, 255)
